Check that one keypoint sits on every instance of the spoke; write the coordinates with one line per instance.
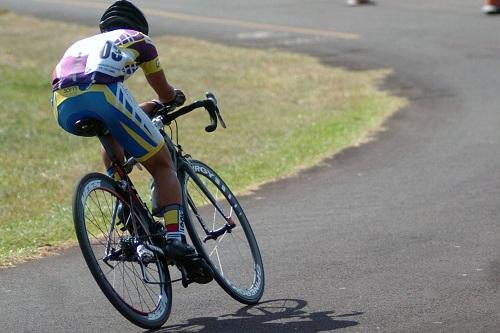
(114, 276)
(220, 263)
(194, 206)
(109, 269)
(138, 282)
(102, 243)
(130, 273)
(99, 206)
(136, 285)
(124, 285)
(112, 230)
(91, 217)
(149, 289)
(144, 286)
(92, 199)
(125, 277)
(108, 204)
(231, 253)
(95, 223)
(218, 242)
(200, 195)
(242, 238)
(94, 219)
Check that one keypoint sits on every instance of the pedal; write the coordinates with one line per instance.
(195, 270)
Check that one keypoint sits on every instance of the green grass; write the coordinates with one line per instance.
(284, 112)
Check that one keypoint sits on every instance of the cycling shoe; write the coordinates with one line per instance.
(197, 270)
(193, 267)
(176, 249)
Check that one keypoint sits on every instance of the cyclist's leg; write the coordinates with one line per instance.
(134, 131)
(167, 186)
(143, 140)
(168, 193)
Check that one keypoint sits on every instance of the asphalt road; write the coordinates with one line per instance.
(398, 235)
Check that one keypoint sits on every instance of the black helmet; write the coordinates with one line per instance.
(123, 15)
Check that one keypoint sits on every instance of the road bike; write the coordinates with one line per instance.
(112, 221)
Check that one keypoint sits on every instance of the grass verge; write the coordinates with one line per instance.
(284, 112)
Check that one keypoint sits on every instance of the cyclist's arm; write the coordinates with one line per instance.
(150, 64)
(160, 85)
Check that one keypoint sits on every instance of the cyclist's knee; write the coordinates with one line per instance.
(159, 163)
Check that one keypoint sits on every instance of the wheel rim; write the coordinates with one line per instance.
(230, 254)
(114, 253)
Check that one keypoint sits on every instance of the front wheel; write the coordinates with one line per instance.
(220, 231)
(141, 291)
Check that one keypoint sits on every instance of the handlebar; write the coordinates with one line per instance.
(166, 114)
(210, 104)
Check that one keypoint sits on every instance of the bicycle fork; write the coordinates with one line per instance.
(211, 234)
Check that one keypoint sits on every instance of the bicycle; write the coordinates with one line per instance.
(111, 221)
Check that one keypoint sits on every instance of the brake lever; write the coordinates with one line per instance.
(221, 121)
(211, 97)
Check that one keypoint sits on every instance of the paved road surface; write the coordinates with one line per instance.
(398, 235)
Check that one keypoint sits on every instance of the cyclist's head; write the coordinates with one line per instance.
(123, 15)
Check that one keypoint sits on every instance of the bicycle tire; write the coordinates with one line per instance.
(94, 213)
(234, 256)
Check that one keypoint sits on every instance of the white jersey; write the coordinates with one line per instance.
(105, 58)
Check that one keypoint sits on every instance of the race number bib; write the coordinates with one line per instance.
(108, 59)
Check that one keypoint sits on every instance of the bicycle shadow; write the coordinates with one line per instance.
(280, 315)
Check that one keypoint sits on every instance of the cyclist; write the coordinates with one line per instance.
(88, 83)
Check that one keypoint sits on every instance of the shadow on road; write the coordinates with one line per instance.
(280, 315)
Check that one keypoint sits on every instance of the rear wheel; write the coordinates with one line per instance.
(220, 231)
(139, 289)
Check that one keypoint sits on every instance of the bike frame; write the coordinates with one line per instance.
(181, 164)
(130, 193)
(183, 167)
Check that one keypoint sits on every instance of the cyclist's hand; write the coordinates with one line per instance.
(179, 98)
(158, 104)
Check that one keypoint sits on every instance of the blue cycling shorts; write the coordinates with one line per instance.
(116, 108)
